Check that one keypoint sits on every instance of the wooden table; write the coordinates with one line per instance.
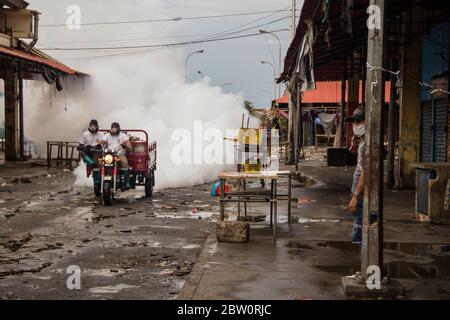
(249, 195)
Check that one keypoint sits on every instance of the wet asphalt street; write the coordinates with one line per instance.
(137, 249)
(166, 248)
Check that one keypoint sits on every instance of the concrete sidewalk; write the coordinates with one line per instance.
(314, 252)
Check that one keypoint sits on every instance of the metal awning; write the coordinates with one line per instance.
(334, 47)
(38, 58)
(14, 4)
(332, 43)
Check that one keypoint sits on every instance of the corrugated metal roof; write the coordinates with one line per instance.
(15, 4)
(330, 92)
(283, 99)
(34, 57)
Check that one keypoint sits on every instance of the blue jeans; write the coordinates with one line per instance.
(357, 221)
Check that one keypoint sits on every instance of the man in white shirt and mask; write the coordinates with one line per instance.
(91, 139)
(119, 142)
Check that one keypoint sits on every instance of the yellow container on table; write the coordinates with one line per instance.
(250, 136)
(252, 167)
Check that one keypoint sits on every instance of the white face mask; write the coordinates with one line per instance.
(359, 129)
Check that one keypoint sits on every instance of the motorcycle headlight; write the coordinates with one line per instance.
(109, 159)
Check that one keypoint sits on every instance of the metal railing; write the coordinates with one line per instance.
(66, 154)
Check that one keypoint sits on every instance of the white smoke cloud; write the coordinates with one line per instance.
(145, 91)
(81, 179)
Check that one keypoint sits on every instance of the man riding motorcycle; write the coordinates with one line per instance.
(89, 142)
(119, 142)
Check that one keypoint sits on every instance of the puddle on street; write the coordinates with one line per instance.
(308, 220)
(402, 260)
(111, 289)
(187, 214)
(304, 181)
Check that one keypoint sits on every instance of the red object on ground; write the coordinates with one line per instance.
(304, 200)
(228, 188)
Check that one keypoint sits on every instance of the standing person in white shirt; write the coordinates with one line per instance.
(119, 142)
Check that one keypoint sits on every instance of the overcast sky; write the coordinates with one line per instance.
(233, 61)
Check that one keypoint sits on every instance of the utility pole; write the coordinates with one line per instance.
(371, 281)
(292, 107)
(372, 226)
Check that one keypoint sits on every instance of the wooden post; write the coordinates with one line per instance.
(372, 227)
(299, 127)
(11, 114)
(289, 196)
(342, 110)
(222, 199)
(21, 115)
(391, 130)
(291, 129)
(291, 121)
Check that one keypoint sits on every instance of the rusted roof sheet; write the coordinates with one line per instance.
(33, 57)
(330, 92)
(283, 99)
(14, 4)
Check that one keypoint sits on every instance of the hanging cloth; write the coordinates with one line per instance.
(328, 121)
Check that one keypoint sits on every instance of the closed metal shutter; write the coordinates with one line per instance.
(440, 130)
(433, 130)
(426, 132)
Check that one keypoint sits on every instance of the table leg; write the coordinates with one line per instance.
(245, 203)
(222, 198)
(271, 203)
(239, 203)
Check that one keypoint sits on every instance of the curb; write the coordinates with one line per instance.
(191, 285)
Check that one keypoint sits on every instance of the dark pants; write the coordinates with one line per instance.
(357, 221)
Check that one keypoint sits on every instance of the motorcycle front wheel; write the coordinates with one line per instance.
(107, 193)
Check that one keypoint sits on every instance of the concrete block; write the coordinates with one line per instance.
(233, 231)
(355, 289)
